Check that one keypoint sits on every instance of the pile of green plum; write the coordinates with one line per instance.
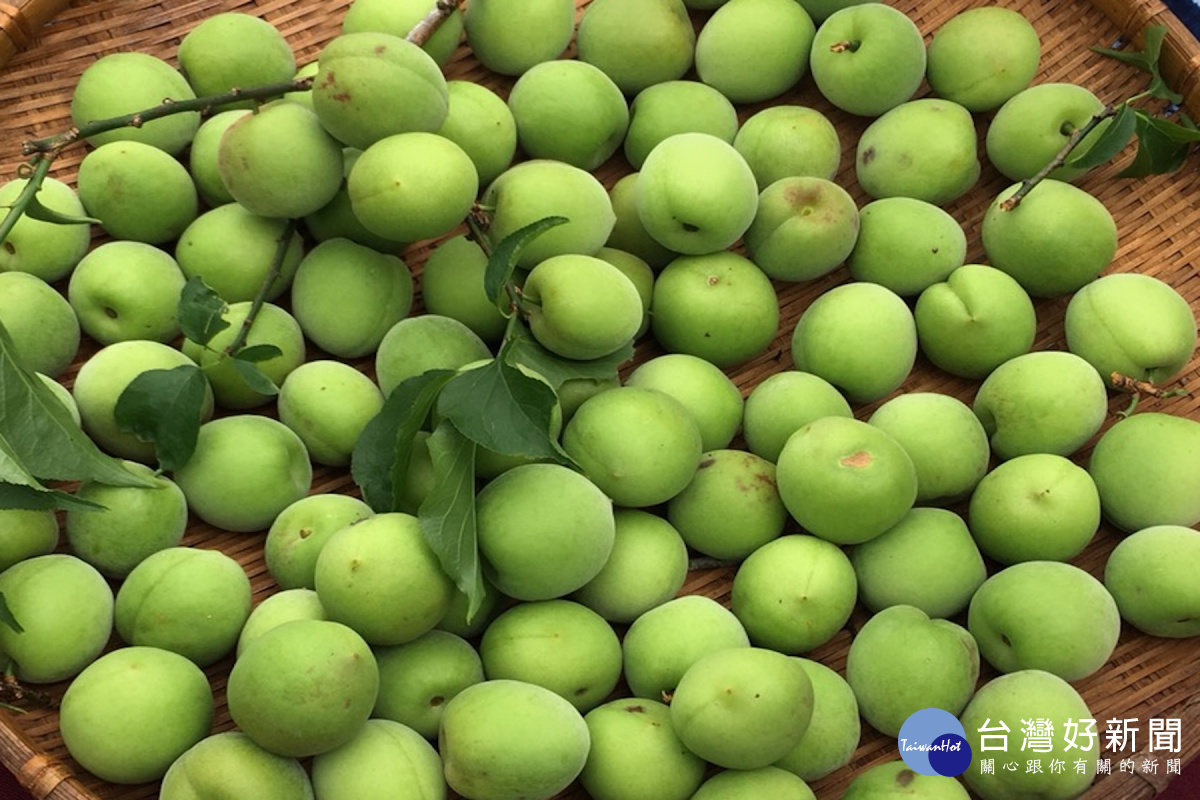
(825, 481)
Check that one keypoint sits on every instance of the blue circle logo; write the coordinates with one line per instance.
(932, 742)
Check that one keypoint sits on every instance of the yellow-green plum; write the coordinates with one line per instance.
(418, 678)
(713, 400)
(1057, 240)
(782, 404)
(805, 228)
(102, 379)
(574, 391)
(945, 440)
(746, 784)
(381, 578)
(794, 594)
(1045, 402)
(509, 740)
(303, 688)
(136, 522)
(336, 219)
(676, 106)
(271, 326)
(1000, 705)
(731, 507)
(752, 50)
(639, 446)
(510, 36)
(833, 731)
(928, 560)
(137, 192)
(858, 336)
(982, 57)
(123, 83)
(695, 194)
(412, 186)
(663, 642)
(279, 161)
(637, 43)
(893, 780)
(1133, 325)
(924, 149)
(230, 763)
(202, 156)
(44, 249)
(190, 601)
(127, 290)
(1045, 615)
(540, 188)
(29, 533)
(906, 245)
(398, 18)
(234, 51)
(902, 661)
(820, 10)
(640, 275)
(742, 707)
(418, 344)
(328, 404)
(866, 58)
(788, 140)
(63, 394)
(646, 568)
(974, 321)
(232, 250)
(41, 323)
(372, 85)
(245, 470)
(480, 122)
(133, 711)
(635, 754)
(544, 531)
(718, 306)
(373, 292)
(844, 480)
(280, 608)
(1149, 575)
(560, 645)
(628, 233)
(1035, 507)
(1147, 468)
(385, 759)
(452, 286)
(1034, 125)
(65, 608)
(581, 307)
(462, 621)
(569, 111)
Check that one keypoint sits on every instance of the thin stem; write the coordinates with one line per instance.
(707, 562)
(424, 29)
(37, 175)
(281, 250)
(1060, 158)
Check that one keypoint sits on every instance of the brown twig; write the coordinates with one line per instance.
(13, 693)
(424, 29)
(281, 250)
(1060, 158)
(1138, 388)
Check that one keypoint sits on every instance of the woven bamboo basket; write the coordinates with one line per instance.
(48, 43)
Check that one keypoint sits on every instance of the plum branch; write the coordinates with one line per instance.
(256, 304)
(1060, 158)
(1138, 388)
(440, 12)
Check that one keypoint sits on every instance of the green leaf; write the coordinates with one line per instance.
(501, 408)
(39, 436)
(1158, 152)
(164, 406)
(523, 349)
(253, 377)
(447, 515)
(42, 499)
(1175, 131)
(257, 353)
(504, 258)
(6, 616)
(1110, 142)
(201, 311)
(379, 462)
(35, 210)
(1146, 60)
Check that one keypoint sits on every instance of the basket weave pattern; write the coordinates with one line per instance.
(1159, 234)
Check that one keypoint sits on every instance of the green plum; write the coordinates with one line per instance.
(1033, 126)
(635, 754)
(745, 784)
(786, 141)
(328, 404)
(804, 229)
(232, 250)
(1149, 576)
(137, 191)
(280, 608)
(581, 307)
(636, 43)
(676, 106)
(906, 245)
(127, 290)
(893, 780)
(479, 121)
(752, 50)
(418, 344)
(418, 678)
(398, 18)
(452, 286)
(202, 156)
(44, 249)
(510, 36)
(298, 533)
(123, 83)
(783, 403)
(231, 763)
(639, 274)
(713, 400)
(866, 58)
(731, 507)
(43, 325)
(628, 233)
(234, 51)
(925, 149)
(30, 532)
(383, 753)
(833, 732)
(982, 57)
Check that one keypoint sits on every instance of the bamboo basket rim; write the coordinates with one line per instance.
(23, 27)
